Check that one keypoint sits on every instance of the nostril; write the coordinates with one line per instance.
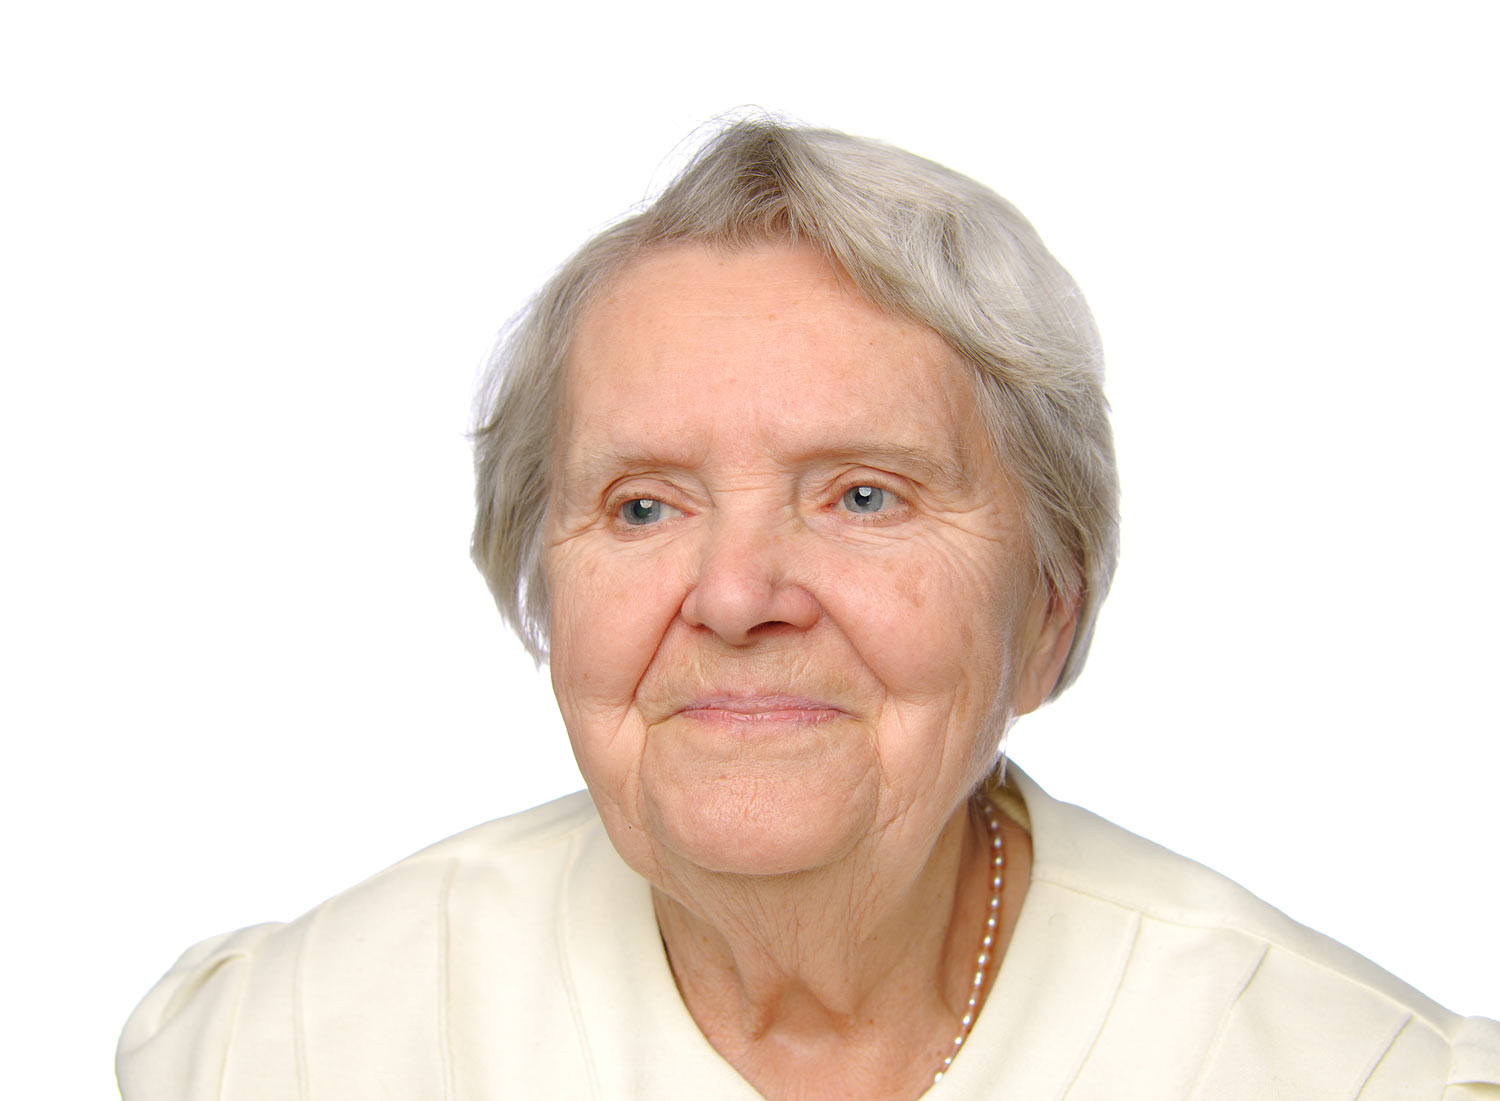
(770, 627)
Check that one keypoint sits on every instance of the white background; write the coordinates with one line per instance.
(253, 256)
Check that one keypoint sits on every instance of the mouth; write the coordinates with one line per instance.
(760, 709)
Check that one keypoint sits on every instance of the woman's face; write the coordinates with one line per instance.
(793, 602)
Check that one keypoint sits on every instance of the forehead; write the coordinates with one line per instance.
(767, 347)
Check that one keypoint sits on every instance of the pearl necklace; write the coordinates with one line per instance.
(991, 924)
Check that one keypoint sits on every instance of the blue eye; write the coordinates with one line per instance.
(642, 510)
(864, 499)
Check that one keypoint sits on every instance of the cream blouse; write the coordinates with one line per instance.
(521, 959)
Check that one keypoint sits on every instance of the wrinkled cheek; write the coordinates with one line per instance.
(929, 625)
(607, 622)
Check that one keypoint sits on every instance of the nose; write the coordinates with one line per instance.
(745, 590)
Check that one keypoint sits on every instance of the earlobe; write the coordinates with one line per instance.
(1049, 639)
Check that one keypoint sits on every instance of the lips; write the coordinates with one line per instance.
(760, 708)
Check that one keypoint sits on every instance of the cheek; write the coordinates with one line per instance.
(929, 622)
(608, 615)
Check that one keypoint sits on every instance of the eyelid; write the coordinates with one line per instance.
(880, 479)
(890, 485)
(632, 490)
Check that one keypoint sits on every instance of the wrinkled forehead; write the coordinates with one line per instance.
(680, 312)
(733, 292)
(754, 336)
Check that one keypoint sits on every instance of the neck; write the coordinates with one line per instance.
(860, 970)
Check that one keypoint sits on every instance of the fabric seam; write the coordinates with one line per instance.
(1264, 940)
(1210, 1054)
(444, 980)
(575, 1008)
(1121, 967)
(299, 1022)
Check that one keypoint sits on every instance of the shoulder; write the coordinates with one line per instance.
(245, 1003)
(1288, 1003)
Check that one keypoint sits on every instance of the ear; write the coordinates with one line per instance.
(1044, 646)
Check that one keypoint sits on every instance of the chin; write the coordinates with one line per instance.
(759, 826)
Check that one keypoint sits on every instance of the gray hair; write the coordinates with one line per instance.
(918, 240)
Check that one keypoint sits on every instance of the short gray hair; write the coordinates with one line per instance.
(920, 241)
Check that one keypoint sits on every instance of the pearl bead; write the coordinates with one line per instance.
(981, 962)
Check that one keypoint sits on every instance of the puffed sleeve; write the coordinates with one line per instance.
(175, 1045)
(1475, 1072)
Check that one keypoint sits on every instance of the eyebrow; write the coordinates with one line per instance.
(933, 467)
(602, 463)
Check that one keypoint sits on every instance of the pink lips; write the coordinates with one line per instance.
(760, 709)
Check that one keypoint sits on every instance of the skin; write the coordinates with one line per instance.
(781, 687)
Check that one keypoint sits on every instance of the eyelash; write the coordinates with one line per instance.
(665, 510)
(893, 502)
(893, 505)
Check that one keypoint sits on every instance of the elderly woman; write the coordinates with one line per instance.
(802, 481)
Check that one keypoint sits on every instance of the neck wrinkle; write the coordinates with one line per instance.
(819, 961)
